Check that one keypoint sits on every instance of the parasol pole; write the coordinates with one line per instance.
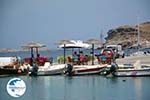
(64, 53)
(92, 53)
(32, 56)
(37, 52)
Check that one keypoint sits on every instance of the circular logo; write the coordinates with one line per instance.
(16, 87)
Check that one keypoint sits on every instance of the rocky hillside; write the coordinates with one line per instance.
(127, 35)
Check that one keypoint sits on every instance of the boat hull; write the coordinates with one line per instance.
(86, 70)
(132, 73)
(90, 71)
(49, 70)
(11, 71)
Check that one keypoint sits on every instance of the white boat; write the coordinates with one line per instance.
(12, 66)
(41, 66)
(67, 69)
(51, 69)
(134, 70)
(144, 59)
(47, 69)
(79, 69)
(84, 69)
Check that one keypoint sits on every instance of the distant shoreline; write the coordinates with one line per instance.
(3, 50)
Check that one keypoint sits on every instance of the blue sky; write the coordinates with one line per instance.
(48, 21)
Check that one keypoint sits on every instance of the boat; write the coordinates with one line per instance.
(47, 70)
(12, 71)
(79, 66)
(140, 55)
(68, 68)
(127, 70)
(11, 66)
(75, 70)
(39, 65)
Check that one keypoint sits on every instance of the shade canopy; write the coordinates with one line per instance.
(62, 42)
(33, 45)
(75, 44)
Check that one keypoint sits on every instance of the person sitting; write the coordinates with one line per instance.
(69, 59)
(86, 59)
(81, 57)
(75, 58)
(51, 60)
(40, 60)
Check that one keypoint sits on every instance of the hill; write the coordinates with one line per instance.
(127, 35)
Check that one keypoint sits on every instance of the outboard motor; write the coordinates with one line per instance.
(110, 70)
(68, 70)
(113, 68)
(34, 70)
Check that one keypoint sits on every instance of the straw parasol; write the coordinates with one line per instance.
(33, 45)
(94, 41)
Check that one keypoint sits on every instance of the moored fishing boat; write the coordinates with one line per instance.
(132, 72)
(41, 66)
(48, 69)
(79, 62)
(11, 66)
(12, 71)
(135, 70)
(83, 69)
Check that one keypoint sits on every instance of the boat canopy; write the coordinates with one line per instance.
(75, 44)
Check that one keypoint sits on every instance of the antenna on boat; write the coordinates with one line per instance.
(138, 31)
(101, 36)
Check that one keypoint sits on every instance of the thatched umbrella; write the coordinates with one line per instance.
(93, 42)
(64, 42)
(33, 45)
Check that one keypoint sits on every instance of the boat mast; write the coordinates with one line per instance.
(138, 31)
(101, 37)
(101, 44)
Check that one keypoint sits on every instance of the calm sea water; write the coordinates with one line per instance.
(54, 53)
(23, 54)
(93, 87)
(80, 88)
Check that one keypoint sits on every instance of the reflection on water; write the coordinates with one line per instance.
(80, 88)
(138, 88)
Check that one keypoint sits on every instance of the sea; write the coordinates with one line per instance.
(89, 87)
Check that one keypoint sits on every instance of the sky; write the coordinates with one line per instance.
(49, 21)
